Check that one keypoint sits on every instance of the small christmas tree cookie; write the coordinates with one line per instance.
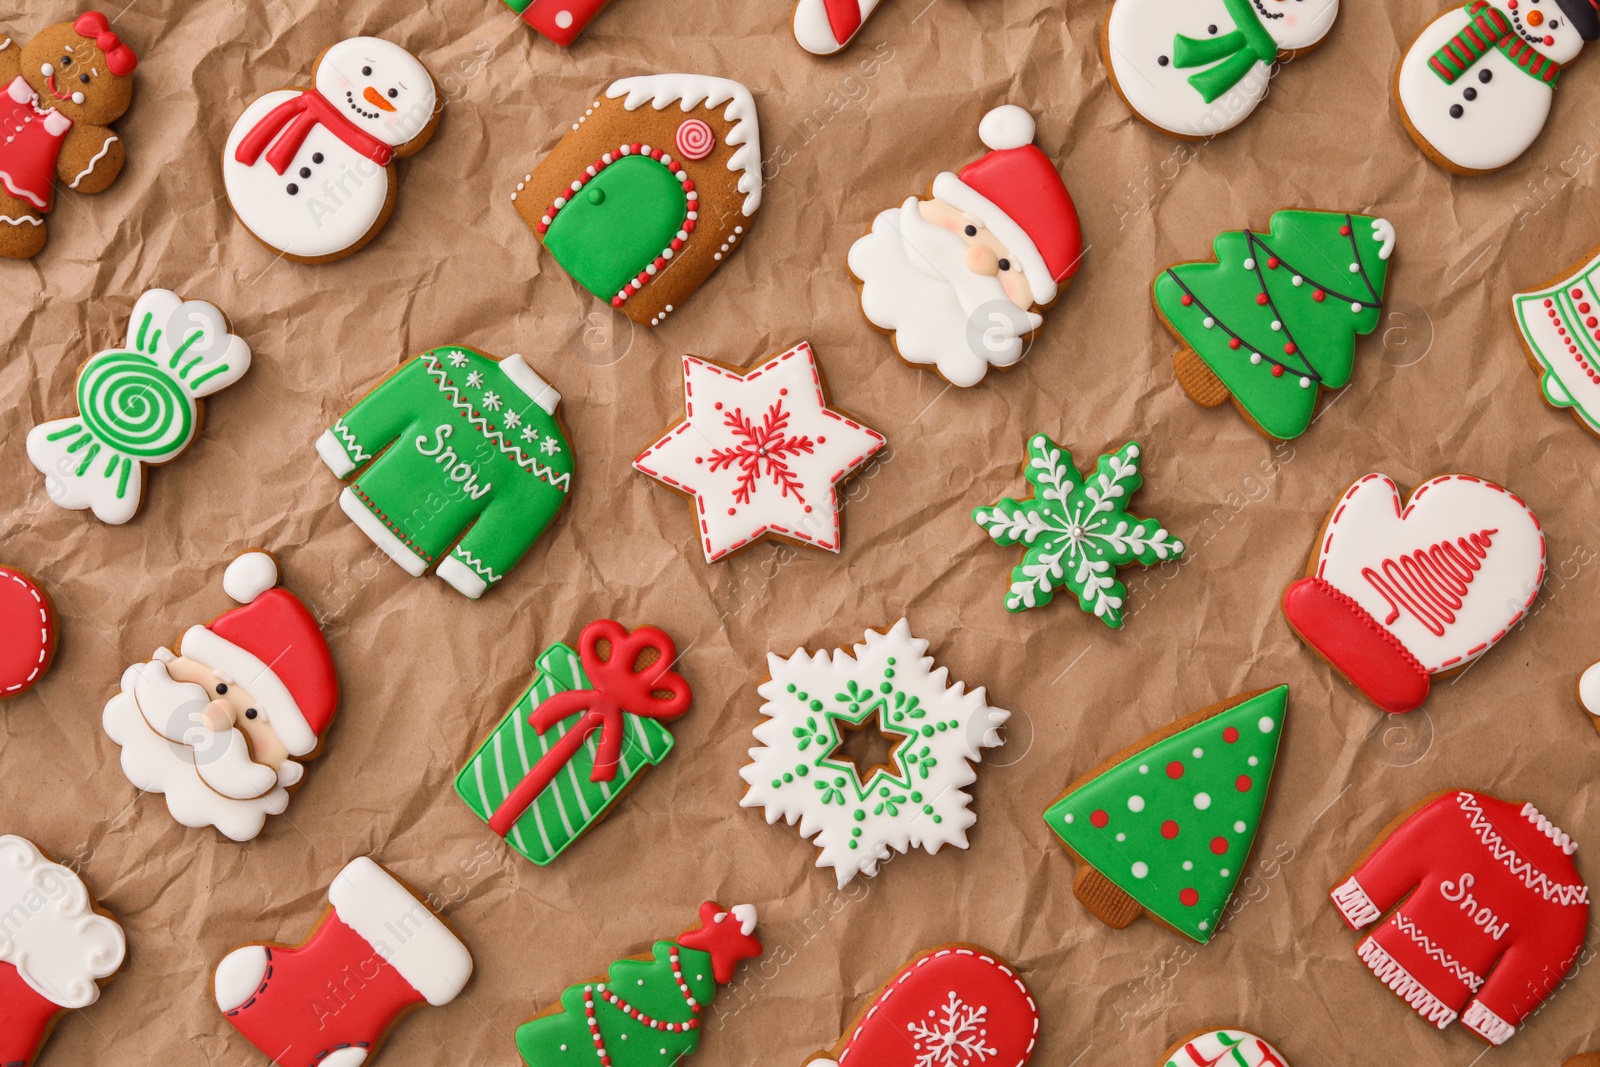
(1165, 828)
(1273, 320)
(1076, 530)
(648, 1011)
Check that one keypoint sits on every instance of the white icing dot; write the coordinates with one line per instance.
(1224, 872)
(1297, 280)
(564, 19)
(1277, 325)
(1144, 768)
(575, 124)
(1122, 837)
(1250, 263)
(716, 255)
(1204, 925)
(1188, 865)
(1266, 724)
(1136, 803)
(1208, 322)
(576, 186)
(1070, 819)
(1199, 752)
(1305, 383)
(1354, 306)
(1202, 801)
(738, 229)
(1255, 357)
(1239, 827)
(1355, 268)
(1253, 761)
(1141, 870)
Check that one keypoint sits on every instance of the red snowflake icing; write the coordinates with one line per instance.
(756, 446)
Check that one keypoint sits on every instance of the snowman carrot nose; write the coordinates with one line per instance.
(1535, 18)
(373, 97)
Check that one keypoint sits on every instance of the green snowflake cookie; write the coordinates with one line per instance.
(1076, 531)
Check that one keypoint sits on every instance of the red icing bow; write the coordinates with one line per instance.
(120, 59)
(617, 688)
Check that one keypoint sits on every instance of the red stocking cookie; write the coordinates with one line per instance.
(376, 953)
(27, 634)
(952, 1006)
(1492, 912)
(56, 948)
(1396, 596)
(1223, 1048)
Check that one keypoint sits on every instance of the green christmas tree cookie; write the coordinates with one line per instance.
(1273, 321)
(1165, 828)
(1076, 530)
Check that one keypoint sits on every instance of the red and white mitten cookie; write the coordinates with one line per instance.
(1397, 596)
(377, 953)
(27, 633)
(823, 27)
(952, 1006)
(222, 727)
(1484, 911)
(1223, 1048)
(56, 948)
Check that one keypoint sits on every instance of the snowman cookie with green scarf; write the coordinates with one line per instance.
(1197, 68)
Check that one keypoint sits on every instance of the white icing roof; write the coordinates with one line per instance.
(690, 91)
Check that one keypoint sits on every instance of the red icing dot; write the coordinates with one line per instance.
(1344, 231)
(1169, 829)
(1244, 783)
(1219, 845)
(1583, 309)
(1277, 370)
(1289, 348)
(1577, 294)
(1189, 898)
(1233, 342)
(1099, 818)
(1230, 735)
(1175, 769)
(1272, 262)
(1319, 296)
(1186, 300)
(718, 405)
(1261, 298)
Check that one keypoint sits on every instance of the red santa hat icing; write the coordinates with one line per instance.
(1018, 195)
(273, 647)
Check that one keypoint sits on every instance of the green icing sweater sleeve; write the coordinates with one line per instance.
(376, 420)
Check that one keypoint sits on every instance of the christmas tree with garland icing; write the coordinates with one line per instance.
(1167, 829)
(1273, 321)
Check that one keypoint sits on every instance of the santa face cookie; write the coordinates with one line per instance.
(59, 95)
(1223, 1048)
(956, 278)
(1396, 596)
(138, 406)
(1476, 86)
(221, 726)
(578, 738)
(955, 1005)
(1196, 69)
(459, 459)
(654, 187)
(1483, 910)
(1165, 828)
(1560, 327)
(1271, 321)
(1076, 530)
(761, 453)
(824, 27)
(558, 20)
(311, 171)
(27, 633)
(859, 818)
(56, 948)
(330, 1001)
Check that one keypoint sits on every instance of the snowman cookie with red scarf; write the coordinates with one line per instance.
(59, 94)
(311, 172)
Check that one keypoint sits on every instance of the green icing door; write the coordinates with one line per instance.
(617, 224)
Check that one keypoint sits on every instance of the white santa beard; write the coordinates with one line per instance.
(157, 765)
(1494, 129)
(915, 284)
(59, 945)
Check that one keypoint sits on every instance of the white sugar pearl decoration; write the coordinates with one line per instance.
(1202, 801)
(1250, 263)
(1355, 306)
(1122, 837)
(1305, 383)
(1069, 819)
(1355, 268)
(1199, 752)
(1239, 827)
(1208, 322)
(1224, 872)
(1255, 357)
(1136, 803)
(1144, 768)
(1266, 724)
(1253, 761)
(1141, 870)
(1188, 865)
(1277, 324)
(1297, 280)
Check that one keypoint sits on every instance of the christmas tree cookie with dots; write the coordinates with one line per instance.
(957, 278)
(459, 459)
(1476, 909)
(1560, 327)
(62, 91)
(1271, 321)
(653, 188)
(27, 633)
(1165, 828)
(1395, 596)
(1223, 1048)
(1197, 69)
(57, 948)
(1476, 86)
(558, 20)
(311, 171)
(139, 405)
(1076, 530)
(952, 1006)
(648, 1011)
(761, 453)
(377, 953)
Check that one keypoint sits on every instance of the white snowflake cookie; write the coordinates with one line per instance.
(917, 799)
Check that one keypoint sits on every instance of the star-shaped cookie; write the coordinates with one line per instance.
(761, 452)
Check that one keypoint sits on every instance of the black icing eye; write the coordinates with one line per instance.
(66, 61)
(84, 78)
(972, 231)
(316, 157)
(251, 713)
(1005, 264)
(222, 689)
(393, 93)
(366, 72)
(1211, 30)
(1554, 24)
